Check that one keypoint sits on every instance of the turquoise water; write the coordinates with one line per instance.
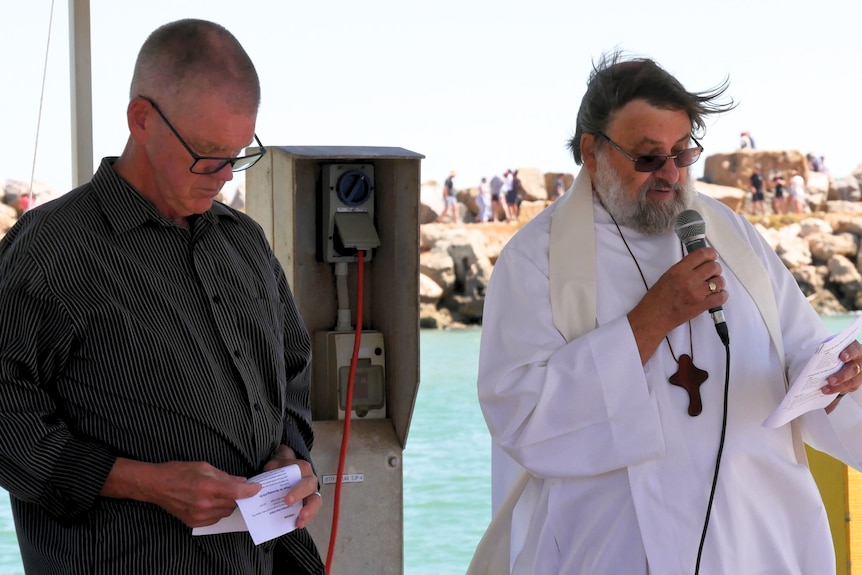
(447, 476)
(447, 463)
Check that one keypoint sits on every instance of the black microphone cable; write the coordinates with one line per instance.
(717, 458)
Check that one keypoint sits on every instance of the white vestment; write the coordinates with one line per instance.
(621, 474)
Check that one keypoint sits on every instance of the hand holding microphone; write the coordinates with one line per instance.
(691, 230)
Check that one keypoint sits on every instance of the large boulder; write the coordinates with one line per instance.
(810, 226)
(818, 183)
(529, 210)
(843, 207)
(431, 195)
(735, 168)
(457, 261)
(844, 221)
(825, 245)
(531, 184)
(551, 181)
(825, 302)
(430, 291)
(847, 279)
(846, 189)
(728, 195)
(793, 251)
(810, 279)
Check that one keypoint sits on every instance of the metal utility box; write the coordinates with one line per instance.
(312, 216)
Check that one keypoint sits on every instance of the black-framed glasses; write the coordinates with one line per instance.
(211, 164)
(655, 162)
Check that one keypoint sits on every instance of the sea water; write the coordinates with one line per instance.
(447, 462)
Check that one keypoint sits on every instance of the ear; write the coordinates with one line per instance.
(139, 115)
(588, 152)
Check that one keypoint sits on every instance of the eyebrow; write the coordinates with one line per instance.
(650, 141)
(211, 148)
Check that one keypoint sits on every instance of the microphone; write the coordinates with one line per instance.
(691, 230)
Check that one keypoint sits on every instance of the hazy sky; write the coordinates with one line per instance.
(476, 86)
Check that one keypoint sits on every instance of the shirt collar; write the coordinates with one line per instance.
(126, 208)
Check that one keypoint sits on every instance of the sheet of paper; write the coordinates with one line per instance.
(229, 524)
(265, 516)
(804, 394)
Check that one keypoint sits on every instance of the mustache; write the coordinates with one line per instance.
(658, 184)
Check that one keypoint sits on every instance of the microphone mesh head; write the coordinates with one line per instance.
(689, 224)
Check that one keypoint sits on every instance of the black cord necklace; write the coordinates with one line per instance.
(688, 376)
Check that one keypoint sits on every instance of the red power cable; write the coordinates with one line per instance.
(348, 410)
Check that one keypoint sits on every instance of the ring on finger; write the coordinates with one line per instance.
(858, 369)
(711, 285)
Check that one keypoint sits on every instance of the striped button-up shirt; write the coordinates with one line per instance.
(123, 334)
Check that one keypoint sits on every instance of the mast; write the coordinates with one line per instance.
(80, 84)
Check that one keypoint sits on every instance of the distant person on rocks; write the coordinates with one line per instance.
(796, 191)
(498, 199)
(509, 195)
(511, 188)
(746, 142)
(756, 189)
(152, 357)
(779, 199)
(483, 201)
(450, 201)
(813, 162)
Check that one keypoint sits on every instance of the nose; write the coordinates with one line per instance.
(225, 173)
(669, 171)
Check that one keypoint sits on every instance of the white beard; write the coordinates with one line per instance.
(649, 218)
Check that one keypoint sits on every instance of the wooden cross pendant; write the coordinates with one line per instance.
(690, 377)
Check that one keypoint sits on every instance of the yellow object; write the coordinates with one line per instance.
(841, 489)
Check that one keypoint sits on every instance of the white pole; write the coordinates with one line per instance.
(80, 84)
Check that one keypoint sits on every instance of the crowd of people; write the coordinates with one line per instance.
(497, 200)
(788, 193)
(789, 196)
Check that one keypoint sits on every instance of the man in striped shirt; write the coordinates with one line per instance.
(151, 354)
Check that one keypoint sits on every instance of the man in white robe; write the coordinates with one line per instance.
(620, 475)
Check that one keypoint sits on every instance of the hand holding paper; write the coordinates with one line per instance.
(805, 394)
(265, 516)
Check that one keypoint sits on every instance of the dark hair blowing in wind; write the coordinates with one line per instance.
(616, 80)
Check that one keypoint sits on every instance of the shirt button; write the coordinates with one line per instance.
(257, 407)
(236, 353)
(216, 299)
